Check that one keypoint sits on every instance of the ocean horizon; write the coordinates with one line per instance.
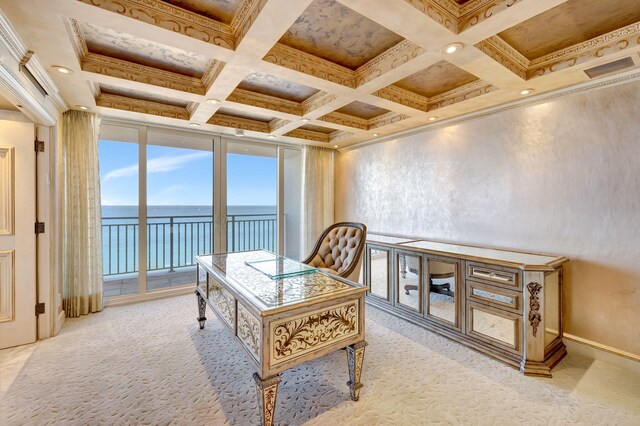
(178, 233)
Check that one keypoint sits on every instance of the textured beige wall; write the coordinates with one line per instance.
(561, 177)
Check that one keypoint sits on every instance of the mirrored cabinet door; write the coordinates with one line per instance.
(409, 280)
(379, 272)
(443, 291)
(494, 326)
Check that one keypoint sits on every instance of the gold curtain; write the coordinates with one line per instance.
(82, 218)
(317, 193)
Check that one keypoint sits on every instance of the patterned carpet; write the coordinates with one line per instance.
(150, 364)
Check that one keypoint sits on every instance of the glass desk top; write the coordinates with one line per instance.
(266, 293)
(281, 267)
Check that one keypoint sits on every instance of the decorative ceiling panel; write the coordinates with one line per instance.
(273, 86)
(243, 114)
(118, 45)
(362, 110)
(437, 79)
(219, 10)
(336, 33)
(143, 96)
(570, 23)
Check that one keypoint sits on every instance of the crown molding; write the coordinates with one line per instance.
(239, 123)
(610, 81)
(459, 94)
(303, 62)
(118, 68)
(259, 100)
(309, 135)
(403, 97)
(391, 58)
(141, 106)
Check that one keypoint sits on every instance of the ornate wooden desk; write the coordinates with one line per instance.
(285, 322)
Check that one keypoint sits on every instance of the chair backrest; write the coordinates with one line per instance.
(339, 250)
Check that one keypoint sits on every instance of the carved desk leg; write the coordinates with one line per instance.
(202, 307)
(267, 394)
(355, 358)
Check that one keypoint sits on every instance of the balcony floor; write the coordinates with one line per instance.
(128, 284)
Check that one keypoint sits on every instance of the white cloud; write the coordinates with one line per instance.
(156, 165)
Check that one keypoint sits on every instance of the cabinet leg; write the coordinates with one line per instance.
(202, 307)
(267, 394)
(355, 358)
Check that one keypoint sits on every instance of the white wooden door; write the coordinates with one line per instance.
(17, 235)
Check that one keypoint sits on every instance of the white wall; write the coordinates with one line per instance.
(561, 177)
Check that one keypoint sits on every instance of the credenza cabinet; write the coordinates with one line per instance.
(503, 303)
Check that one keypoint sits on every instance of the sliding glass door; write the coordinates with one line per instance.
(251, 196)
(118, 152)
(179, 207)
(169, 196)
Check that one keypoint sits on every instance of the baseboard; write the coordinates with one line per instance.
(61, 317)
(602, 352)
(158, 294)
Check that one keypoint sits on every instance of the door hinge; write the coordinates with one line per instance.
(39, 227)
(39, 308)
(38, 146)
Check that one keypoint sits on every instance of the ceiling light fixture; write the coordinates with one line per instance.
(213, 101)
(335, 146)
(271, 136)
(452, 48)
(305, 120)
(526, 91)
(376, 134)
(239, 133)
(433, 118)
(194, 124)
(62, 70)
(82, 107)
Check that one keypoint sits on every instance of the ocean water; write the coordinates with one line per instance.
(176, 234)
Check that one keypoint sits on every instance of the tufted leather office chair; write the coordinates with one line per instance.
(339, 249)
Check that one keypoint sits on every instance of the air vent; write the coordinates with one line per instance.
(24, 70)
(610, 68)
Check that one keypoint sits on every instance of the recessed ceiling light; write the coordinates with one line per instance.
(239, 133)
(335, 146)
(452, 48)
(62, 70)
(376, 134)
(526, 91)
(433, 118)
(271, 136)
(82, 107)
(213, 101)
(305, 120)
(194, 124)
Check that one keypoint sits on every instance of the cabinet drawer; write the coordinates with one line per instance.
(495, 296)
(223, 302)
(494, 274)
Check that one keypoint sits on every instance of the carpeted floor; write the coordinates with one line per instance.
(150, 364)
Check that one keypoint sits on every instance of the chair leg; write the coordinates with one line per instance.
(409, 287)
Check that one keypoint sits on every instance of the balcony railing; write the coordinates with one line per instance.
(174, 241)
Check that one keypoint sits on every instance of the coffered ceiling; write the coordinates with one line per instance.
(326, 72)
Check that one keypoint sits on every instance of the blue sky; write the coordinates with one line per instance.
(179, 176)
